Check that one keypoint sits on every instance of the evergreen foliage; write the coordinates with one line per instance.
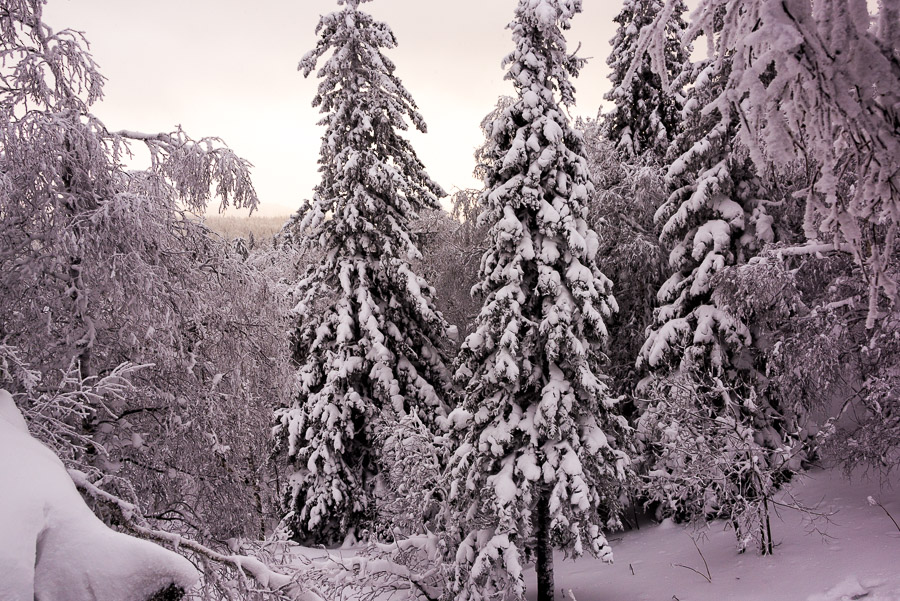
(367, 345)
(540, 451)
(707, 225)
(818, 82)
(646, 116)
(709, 376)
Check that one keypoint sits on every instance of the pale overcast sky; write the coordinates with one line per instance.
(229, 68)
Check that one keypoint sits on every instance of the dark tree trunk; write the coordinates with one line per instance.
(766, 545)
(544, 550)
(78, 289)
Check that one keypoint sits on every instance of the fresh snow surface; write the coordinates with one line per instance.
(854, 555)
(53, 547)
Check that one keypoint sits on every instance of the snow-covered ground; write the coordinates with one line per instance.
(856, 555)
(849, 550)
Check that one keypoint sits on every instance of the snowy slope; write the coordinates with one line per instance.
(858, 557)
(53, 547)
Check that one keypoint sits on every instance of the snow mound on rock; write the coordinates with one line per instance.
(53, 547)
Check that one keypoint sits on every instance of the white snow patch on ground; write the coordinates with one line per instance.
(855, 556)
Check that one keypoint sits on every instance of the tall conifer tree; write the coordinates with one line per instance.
(709, 372)
(706, 222)
(539, 441)
(367, 343)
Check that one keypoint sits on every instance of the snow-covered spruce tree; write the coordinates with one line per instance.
(646, 112)
(707, 224)
(367, 342)
(819, 82)
(713, 218)
(540, 459)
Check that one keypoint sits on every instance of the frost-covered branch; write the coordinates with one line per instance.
(413, 568)
(196, 167)
(283, 585)
(812, 249)
(875, 503)
(55, 408)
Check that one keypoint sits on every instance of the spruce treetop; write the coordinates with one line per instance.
(550, 66)
(646, 115)
(372, 181)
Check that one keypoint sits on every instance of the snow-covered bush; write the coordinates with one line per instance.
(711, 461)
(866, 432)
(718, 445)
(368, 344)
(411, 498)
(824, 358)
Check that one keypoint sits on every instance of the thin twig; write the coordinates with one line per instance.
(707, 576)
(873, 502)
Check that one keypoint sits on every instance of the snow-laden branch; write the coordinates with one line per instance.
(245, 565)
(141, 136)
(812, 249)
(194, 166)
(411, 566)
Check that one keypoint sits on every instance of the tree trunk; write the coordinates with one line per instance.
(766, 546)
(77, 287)
(544, 549)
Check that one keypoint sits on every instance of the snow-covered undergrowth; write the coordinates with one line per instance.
(850, 551)
(53, 547)
(844, 547)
